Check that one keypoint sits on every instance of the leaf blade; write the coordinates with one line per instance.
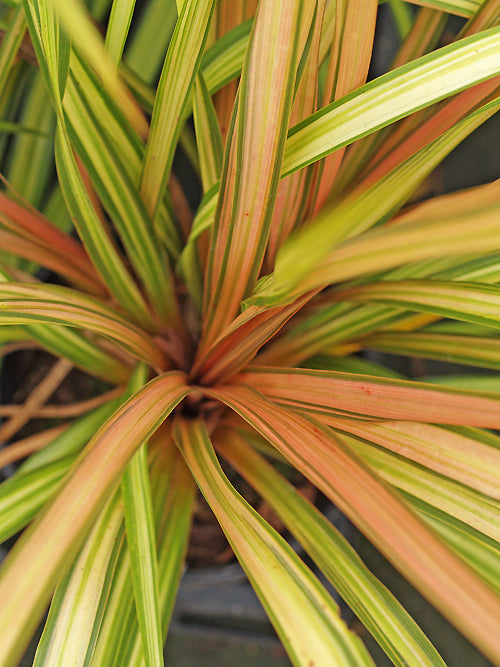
(367, 396)
(395, 530)
(388, 622)
(260, 551)
(69, 515)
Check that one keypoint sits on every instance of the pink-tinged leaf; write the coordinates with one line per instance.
(45, 256)
(423, 36)
(292, 194)
(347, 70)
(420, 127)
(253, 162)
(34, 566)
(329, 392)
(432, 493)
(485, 17)
(408, 139)
(241, 341)
(28, 222)
(229, 14)
(380, 612)
(439, 575)
(26, 303)
(31, 225)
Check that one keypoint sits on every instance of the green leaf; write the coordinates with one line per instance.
(31, 164)
(303, 264)
(479, 552)
(93, 231)
(26, 303)
(46, 41)
(86, 37)
(72, 441)
(90, 228)
(488, 383)
(373, 604)
(22, 496)
(173, 490)
(470, 302)
(392, 96)
(126, 209)
(459, 7)
(208, 135)
(223, 61)
(471, 350)
(51, 47)
(437, 491)
(351, 365)
(141, 544)
(109, 121)
(173, 93)
(118, 26)
(76, 610)
(305, 617)
(11, 43)
(147, 45)
(83, 353)
(203, 221)
(455, 456)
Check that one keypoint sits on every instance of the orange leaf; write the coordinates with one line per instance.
(367, 396)
(439, 575)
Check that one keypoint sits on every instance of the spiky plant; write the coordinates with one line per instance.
(234, 335)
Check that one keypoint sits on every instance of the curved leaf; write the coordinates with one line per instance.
(33, 567)
(25, 303)
(376, 608)
(75, 613)
(305, 617)
(469, 302)
(358, 492)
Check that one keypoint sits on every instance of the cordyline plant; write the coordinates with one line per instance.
(231, 334)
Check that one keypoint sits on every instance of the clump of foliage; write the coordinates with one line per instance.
(234, 333)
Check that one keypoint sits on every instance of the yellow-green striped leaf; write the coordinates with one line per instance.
(305, 617)
(171, 103)
(141, 545)
(119, 22)
(76, 610)
(470, 302)
(377, 609)
(392, 96)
